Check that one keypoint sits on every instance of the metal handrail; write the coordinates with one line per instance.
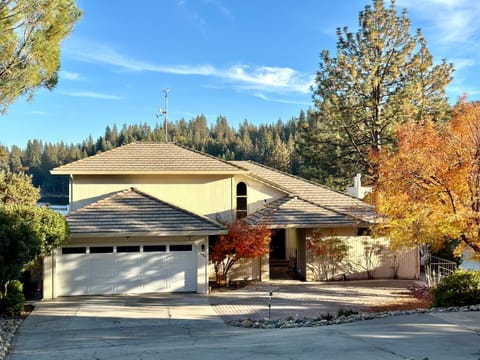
(437, 268)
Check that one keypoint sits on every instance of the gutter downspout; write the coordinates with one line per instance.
(52, 252)
(70, 200)
(231, 199)
(207, 285)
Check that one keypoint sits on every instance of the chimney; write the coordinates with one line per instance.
(358, 190)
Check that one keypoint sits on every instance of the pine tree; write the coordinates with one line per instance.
(381, 76)
(280, 157)
(15, 159)
(30, 45)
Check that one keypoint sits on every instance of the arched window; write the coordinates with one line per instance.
(241, 200)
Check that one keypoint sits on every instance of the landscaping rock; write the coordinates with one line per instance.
(291, 322)
(246, 323)
(8, 328)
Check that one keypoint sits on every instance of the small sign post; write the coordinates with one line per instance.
(270, 303)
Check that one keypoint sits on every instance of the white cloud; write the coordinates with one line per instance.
(451, 28)
(266, 78)
(36, 112)
(221, 8)
(453, 21)
(68, 75)
(95, 53)
(461, 63)
(92, 94)
(282, 101)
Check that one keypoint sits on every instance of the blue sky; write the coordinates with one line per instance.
(247, 59)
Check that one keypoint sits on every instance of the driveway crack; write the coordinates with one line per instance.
(381, 348)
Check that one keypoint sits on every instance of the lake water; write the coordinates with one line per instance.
(468, 262)
(62, 209)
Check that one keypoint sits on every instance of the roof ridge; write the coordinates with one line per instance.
(206, 161)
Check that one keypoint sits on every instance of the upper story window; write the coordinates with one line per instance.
(241, 200)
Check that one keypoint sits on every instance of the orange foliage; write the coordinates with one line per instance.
(429, 189)
(241, 242)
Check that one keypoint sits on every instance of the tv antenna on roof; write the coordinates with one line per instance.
(165, 113)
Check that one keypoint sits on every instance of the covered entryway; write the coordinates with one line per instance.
(278, 259)
(95, 270)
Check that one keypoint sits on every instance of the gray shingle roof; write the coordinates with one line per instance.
(132, 212)
(291, 211)
(149, 158)
(311, 192)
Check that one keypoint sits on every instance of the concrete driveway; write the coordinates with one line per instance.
(185, 327)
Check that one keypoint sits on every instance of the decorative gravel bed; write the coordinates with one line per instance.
(321, 321)
(8, 328)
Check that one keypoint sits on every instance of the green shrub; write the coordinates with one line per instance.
(326, 316)
(458, 289)
(14, 300)
(346, 312)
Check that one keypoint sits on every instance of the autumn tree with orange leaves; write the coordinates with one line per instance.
(428, 190)
(241, 242)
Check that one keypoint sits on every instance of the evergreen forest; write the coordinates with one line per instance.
(270, 144)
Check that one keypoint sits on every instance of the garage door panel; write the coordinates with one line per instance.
(74, 270)
(155, 272)
(177, 281)
(182, 271)
(128, 273)
(101, 274)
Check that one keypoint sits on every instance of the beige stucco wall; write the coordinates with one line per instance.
(370, 258)
(291, 242)
(246, 269)
(208, 195)
(295, 246)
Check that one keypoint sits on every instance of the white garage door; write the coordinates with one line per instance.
(125, 269)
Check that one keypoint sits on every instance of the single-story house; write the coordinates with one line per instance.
(142, 217)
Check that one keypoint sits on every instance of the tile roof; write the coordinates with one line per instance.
(132, 212)
(310, 191)
(149, 158)
(291, 211)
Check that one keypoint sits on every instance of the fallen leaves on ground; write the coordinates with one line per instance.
(415, 297)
